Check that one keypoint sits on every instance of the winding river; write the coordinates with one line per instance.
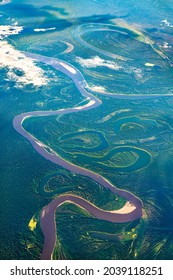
(132, 210)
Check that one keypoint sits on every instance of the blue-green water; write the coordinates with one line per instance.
(124, 49)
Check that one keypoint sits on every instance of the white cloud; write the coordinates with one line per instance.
(97, 88)
(166, 23)
(44, 29)
(137, 72)
(97, 61)
(5, 2)
(6, 30)
(166, 45)
(20, 68)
